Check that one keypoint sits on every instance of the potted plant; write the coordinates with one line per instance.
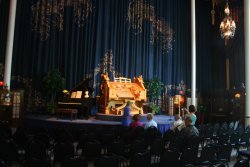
(53, 82)
(154, 87)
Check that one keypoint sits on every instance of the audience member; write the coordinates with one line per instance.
(150, 122)
(189, 130)
(126, 118)
(178, 124)
(192, 113)
(136, 121)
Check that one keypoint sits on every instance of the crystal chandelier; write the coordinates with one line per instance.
(227, 25)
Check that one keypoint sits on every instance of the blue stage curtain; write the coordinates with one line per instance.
(77, 51)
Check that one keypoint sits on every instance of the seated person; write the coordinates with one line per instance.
(136, 121)
(189, 130)
(150, 122)
(178, 124)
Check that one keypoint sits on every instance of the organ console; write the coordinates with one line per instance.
(115, 94)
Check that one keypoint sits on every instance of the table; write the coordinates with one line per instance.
(163, 127)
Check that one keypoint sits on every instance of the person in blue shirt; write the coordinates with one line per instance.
(190, 112)
(126, 118)
(191, 109)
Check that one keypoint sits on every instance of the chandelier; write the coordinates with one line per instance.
(227, 25)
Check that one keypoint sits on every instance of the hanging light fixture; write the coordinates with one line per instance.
(227, 25)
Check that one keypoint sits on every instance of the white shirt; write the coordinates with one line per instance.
(150, 123)
(177, 124)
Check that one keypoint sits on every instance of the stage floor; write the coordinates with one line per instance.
(163, 121)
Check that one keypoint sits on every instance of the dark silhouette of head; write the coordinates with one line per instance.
(137, 117)
(191, 108)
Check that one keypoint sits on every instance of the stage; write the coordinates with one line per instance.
(39, 120)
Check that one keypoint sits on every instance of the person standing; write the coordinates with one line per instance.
(192, 114)
(126, 118)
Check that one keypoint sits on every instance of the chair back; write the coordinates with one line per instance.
(36, 149)
(207, 154)
(241, 163)
(137, 146)
(141, 159)
(63, 151)
(170, 158)
(116, 147)
(157, 147)
(224, 152)
(92, 149)
(189, 156)
(106, 160)
(36, 162)
(75, 162)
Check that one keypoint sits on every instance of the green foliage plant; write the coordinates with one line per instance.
(53, 82)
(154, 88)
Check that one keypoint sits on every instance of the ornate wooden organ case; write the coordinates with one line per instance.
(115, 94)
